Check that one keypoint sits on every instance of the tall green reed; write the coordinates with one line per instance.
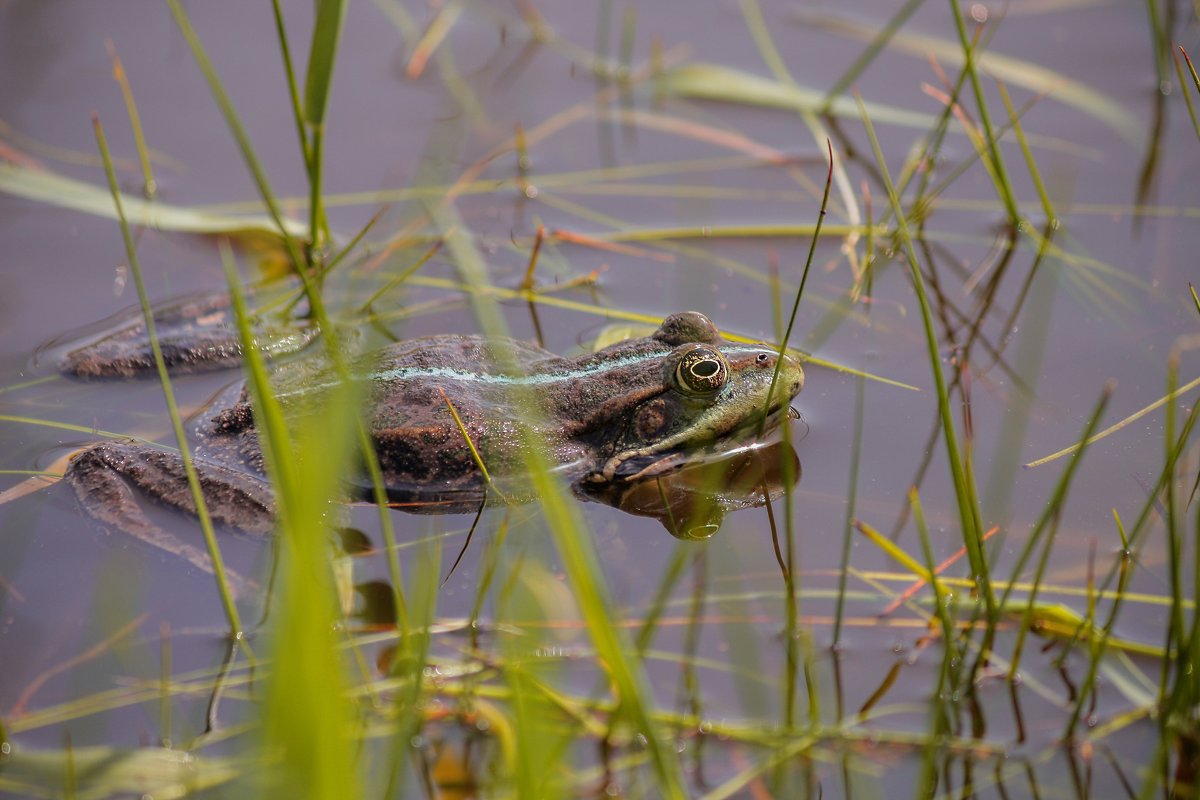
(308, 721)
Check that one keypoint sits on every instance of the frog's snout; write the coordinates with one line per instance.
(791, 374)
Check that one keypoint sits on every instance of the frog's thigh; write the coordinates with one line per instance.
(105, 476)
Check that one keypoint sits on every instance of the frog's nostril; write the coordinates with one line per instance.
(763, 358)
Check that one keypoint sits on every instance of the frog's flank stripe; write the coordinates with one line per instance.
(536, 379)
(540, 378)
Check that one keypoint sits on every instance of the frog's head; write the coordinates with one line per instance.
(710, 391)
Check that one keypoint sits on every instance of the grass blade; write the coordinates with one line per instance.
(327, 32)
(312, 737)
(1003, 187)
(49, 187)
(1018, 72)
(968, 510)
(210, 539)
(1111, 429)
(233, 122)
(703, 81)
(1187, 95)
(149, 185)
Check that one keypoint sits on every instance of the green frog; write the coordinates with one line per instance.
(636, 409)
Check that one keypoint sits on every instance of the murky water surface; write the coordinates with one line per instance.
(609, 169)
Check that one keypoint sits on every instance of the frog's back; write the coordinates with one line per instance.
(415, 384)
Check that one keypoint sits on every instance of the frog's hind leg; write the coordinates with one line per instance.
(195, 333)
(108, 477)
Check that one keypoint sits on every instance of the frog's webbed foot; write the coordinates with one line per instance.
(107, 478)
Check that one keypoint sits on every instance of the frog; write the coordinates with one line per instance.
(437, 406)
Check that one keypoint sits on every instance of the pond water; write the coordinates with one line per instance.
(655, 198)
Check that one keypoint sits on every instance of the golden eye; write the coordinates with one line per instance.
(701, 370)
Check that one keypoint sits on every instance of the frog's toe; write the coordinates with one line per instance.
(633, 467)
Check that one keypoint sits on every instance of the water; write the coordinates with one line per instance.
(83, 610)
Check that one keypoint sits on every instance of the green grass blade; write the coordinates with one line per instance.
(571, 538)
(968, 511)
(939, 723)
(233, 122)
(787, 333)
(150, 186)
(299, 260)
(860, 395)
(1111, 429)
(289, 72)
(210, 539)
(411, 660)
(327, 32)
(1187, 94)
(1034, 173)
(1058, 497)
(893, 550)
(864, 59)
(1003, 187)
(312, 739)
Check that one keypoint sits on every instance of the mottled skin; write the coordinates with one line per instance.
(196, 334)
(634, 409)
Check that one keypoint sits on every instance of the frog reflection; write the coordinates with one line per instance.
(691, 503)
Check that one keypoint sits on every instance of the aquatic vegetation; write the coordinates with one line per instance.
(1010, 607)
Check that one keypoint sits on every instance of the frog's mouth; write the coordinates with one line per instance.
(632, 466)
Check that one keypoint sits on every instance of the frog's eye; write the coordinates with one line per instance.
(701, 370)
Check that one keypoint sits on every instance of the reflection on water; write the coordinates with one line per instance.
(692, 502)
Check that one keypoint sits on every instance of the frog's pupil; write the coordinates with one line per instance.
(705, 369)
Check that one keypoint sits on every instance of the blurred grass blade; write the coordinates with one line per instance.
(193, 478)
(864, 59)
(64, 192)
(570, 533)
(435, 33)
(1035, 78)
(233, 122)
(311, 738)
(149, 185)
(113, 772)
(704, 81)
(761, 33)
(327, 31)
